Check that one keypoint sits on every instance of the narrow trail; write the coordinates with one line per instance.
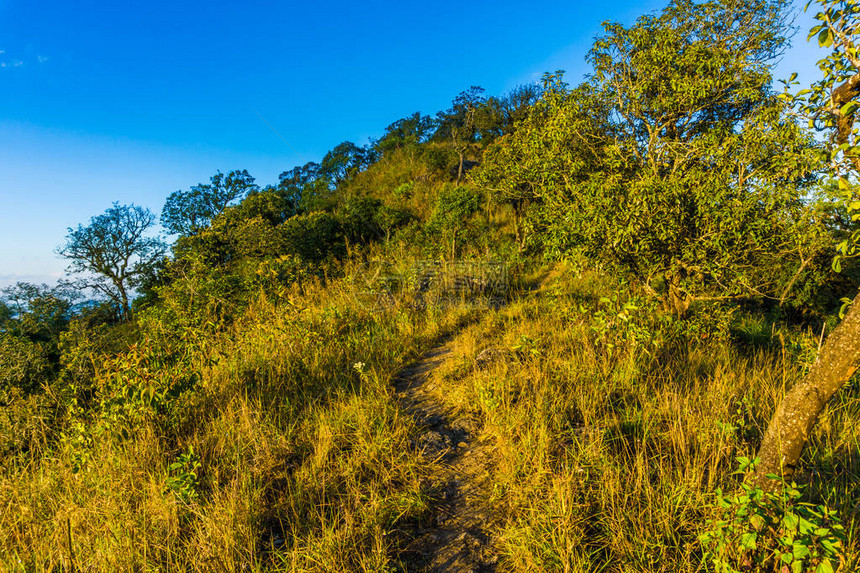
(456, 539)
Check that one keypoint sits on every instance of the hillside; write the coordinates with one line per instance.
(545, 331)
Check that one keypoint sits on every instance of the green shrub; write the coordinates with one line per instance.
(761, 531)
(313, 236)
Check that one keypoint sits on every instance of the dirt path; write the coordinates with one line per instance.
(456, 538)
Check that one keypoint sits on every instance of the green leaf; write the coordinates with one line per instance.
(849, 108)
(800, 551)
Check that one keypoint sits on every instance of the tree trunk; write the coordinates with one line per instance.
(796, 415)
(676, 300)
(123, 300)
(517, 226)
(460, 168)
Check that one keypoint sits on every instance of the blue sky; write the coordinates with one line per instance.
(130, 101)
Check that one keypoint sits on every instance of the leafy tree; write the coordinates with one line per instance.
(454, 207)
(24, 365)
(345, 161)
(313, 236)
(406, 132)
(365, 219)
(114, 251)
(186, 212)
(514, 106)
(41, 312)
(306, 188)
(460, 123)
(830, 105)
(268, 204)
(35, 318)
(6, 314)
(691, 176)
(558, 144)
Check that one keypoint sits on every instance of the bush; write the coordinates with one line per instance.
(313, 236)
(760, 531)
(24, 364)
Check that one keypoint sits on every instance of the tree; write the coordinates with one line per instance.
(186, 212)
(830, 105)
(454, 207)
(41, 312)
(345, 161)
(676, 161)
(407, 132)
(515, 105)
(115, 251)
(459, 123)
(558, 142)
(306, 188)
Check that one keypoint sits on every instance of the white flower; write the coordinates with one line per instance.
(359, 366)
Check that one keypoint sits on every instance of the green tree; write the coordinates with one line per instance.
(345, 161)
(114, 252)
(41, 312)
(830, 105)
(35, 318)
(676, 161)
(186, 212)
(409, 131)
(452, 213)
(306, 188)
(559, 143)
(460, 123)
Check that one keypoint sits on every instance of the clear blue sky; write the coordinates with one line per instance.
(130, 101)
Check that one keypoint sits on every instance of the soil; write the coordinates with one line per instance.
(456, 537)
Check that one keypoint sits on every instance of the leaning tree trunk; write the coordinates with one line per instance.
(796, 415)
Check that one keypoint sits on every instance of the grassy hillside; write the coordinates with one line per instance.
(629, 274)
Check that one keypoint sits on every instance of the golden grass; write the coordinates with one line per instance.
(610, 434)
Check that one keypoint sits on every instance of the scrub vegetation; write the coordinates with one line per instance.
(642, 284)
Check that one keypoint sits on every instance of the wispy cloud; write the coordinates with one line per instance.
(7, 62)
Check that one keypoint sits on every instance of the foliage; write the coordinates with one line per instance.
(344, 161)
(455, 206)
(306, 188)
(183, 481)
(313, 236)
(24, 365)
(409, 131)
(831, 103)
(187, 212)
(114, 252)
(692, 177)
(365, 220)
(764, 531)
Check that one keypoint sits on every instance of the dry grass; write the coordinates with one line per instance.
(611, 431)
(610, 444)
(304, 459)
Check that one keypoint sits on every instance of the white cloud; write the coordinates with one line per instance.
(15, 63)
